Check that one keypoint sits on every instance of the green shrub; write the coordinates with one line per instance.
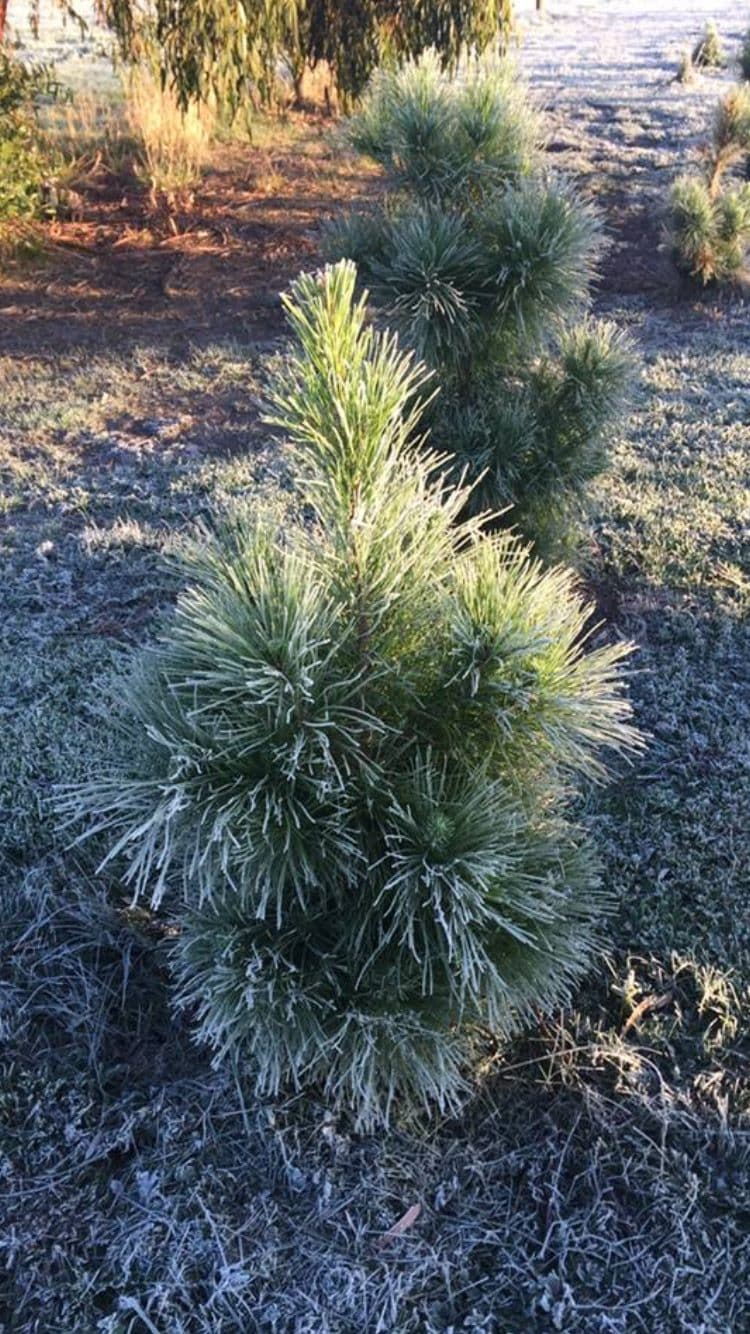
(483, 265)
(439, 137)
(345, 767)
(709, 50)
(710, 220)
(24, 163)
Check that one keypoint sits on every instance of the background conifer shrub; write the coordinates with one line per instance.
(345, 768)
(483, 263)
(709, 49)
(730, 140)
(686, 70)
(710, 213)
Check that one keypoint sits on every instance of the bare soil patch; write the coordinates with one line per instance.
(121, 273)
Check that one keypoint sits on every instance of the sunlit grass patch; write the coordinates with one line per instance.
(675, 509)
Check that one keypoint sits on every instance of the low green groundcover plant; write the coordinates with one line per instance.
(483, 263)
(345, 768)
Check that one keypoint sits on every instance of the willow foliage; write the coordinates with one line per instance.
(344, 769)
(234, 46)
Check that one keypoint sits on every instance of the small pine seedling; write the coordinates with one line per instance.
(730, 140)
(709, 51)
(710, 220)
(710, 232)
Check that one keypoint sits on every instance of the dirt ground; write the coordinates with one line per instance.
(115, 274)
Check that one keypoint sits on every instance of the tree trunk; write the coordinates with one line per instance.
(3, 16)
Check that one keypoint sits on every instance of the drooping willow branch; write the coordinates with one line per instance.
(231, 46)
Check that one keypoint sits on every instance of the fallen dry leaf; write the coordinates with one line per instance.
(403, 1224)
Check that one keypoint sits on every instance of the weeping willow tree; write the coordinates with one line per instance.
(233, 46)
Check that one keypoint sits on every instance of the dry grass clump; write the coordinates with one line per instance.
(174, 143)
(745, 56)
(686, 72)
(92, 134)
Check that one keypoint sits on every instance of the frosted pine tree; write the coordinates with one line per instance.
(345, 767)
